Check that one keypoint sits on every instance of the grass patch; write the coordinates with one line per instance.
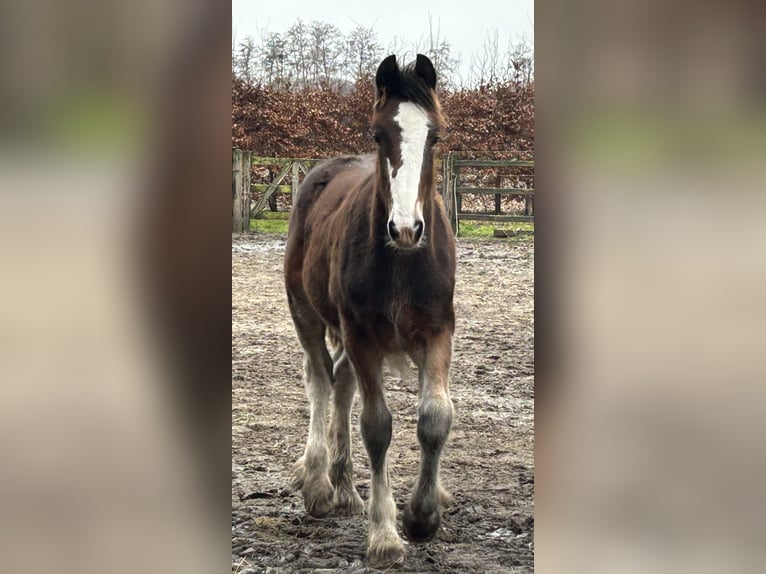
(271, 222)
(277, 223)
(486, 229)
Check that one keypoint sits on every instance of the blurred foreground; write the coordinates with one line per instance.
(650, 397)
(114, 297)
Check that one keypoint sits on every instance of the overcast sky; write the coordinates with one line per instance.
(464, 23)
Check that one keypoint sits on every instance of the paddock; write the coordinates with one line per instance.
(487, 464)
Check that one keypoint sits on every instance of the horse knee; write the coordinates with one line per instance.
(434, 423)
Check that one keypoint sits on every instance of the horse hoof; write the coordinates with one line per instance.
(347, 501)
(422, 527)
(318, 505)
(317, 497)
(386, 552)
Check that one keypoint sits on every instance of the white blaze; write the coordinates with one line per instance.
(413, 122)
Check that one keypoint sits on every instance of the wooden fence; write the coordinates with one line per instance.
(451, 166)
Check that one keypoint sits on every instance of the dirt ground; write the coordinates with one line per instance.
(487, 463)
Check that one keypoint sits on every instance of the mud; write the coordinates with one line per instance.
(487, 464)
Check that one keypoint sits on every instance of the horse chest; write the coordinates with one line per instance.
(397, 303)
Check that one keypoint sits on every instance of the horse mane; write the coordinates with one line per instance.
(410, 87)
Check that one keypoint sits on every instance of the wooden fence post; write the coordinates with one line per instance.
(448, 189)
(498, 184)
(295, 181)
(240, 191)
(458, 196)
(445, 184)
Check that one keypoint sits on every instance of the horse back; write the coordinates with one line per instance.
(310, 238)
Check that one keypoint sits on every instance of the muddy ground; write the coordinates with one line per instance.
(487, 464)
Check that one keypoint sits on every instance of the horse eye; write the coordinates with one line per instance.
(376, 137)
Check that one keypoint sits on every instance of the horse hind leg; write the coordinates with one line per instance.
(311, 471)
(346, 499)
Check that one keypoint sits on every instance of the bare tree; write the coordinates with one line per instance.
(319, 54)
(243, 61)
(397, 46)
(520, 63)
(440, 52)
(234, 72)
(433, 45)
(491, 66)
(485, 66)
(325, 52)
(273, 56)
(298, 47)
(363, 52)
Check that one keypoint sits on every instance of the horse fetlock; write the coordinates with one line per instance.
(341, 466)
(313, 463)
(385, 547)
(421, 521)
(347, 500)
(299, 474)
(316, 459)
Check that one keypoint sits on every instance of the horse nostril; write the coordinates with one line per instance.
(392, 230)
(418, 230)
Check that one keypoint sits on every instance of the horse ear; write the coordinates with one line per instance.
(387, 74)
(425, 69)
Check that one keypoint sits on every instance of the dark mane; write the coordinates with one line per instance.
(412, 88)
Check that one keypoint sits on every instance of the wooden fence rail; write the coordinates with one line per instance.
(453, 169)
(451, 166)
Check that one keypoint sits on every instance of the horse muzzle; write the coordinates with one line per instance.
(406, 237)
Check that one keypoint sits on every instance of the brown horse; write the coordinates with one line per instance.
(371, 262)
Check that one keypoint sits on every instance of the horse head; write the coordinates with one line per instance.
(406, 124)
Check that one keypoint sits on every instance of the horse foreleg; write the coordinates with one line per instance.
(384, 544)
(422, 515)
